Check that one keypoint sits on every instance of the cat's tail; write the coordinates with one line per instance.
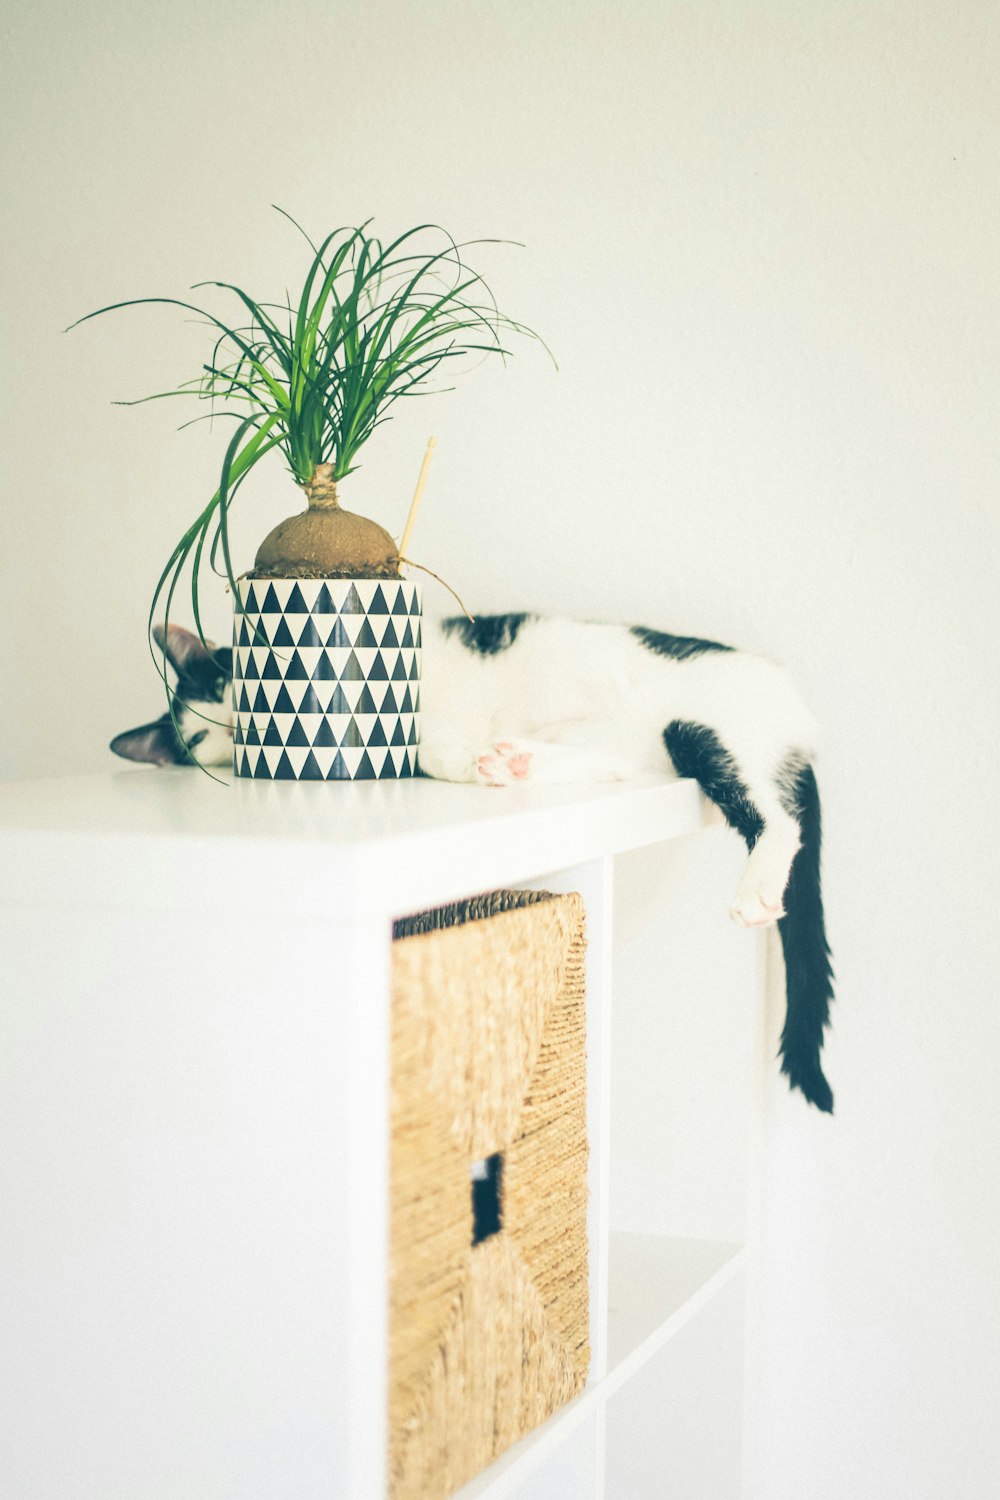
(808, 972)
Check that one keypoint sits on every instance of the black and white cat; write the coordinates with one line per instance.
(518, 698)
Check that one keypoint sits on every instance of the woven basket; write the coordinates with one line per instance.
(487, 1339)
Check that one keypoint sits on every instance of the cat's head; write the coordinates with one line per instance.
(202, 705)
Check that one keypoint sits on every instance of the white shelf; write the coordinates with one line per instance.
(656, 1286)
(407, 843)
(198, 988)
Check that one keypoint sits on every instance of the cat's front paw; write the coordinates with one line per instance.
(503, 765)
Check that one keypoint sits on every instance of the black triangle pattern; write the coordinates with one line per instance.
(283, 770)
(310, 769)
(365, 771)
(310, 702)
(284, 740)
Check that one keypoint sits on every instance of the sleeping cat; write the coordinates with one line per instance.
(518, 698)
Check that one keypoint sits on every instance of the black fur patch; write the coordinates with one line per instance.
(808, 971)
(680, 647)
(697, 751)
(158, 743)
(205, 679)
(487, 634)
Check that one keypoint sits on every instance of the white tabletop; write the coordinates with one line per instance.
(142, 836)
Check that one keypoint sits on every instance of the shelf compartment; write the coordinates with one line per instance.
(657, 1286)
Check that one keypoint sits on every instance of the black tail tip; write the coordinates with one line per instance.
(811, 1083)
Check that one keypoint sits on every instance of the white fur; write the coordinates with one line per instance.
(573, 702)
(216, 720)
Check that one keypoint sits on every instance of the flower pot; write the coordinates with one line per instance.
(326, 679)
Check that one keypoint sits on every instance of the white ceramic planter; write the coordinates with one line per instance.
(326, 679)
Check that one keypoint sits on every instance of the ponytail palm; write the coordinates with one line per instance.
(314, 378)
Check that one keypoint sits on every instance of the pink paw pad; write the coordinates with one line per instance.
(503, 765)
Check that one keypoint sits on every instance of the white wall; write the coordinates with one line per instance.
(762, 240)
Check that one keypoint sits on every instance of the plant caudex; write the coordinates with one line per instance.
(314, 379)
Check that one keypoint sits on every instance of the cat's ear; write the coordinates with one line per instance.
(156, 743)
(182, 646)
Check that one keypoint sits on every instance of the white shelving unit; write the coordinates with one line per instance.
(194, 1117)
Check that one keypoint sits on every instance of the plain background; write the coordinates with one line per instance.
(762, 240)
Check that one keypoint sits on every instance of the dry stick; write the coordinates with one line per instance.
(415, 502)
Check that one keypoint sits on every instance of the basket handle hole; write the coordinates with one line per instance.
(487, 1176)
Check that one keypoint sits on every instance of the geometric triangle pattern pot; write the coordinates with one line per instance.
(326, 679)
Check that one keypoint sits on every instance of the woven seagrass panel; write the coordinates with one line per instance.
(488, 1059)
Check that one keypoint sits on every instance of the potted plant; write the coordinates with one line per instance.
(326, 660)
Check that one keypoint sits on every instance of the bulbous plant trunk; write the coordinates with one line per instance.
(326, 541)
